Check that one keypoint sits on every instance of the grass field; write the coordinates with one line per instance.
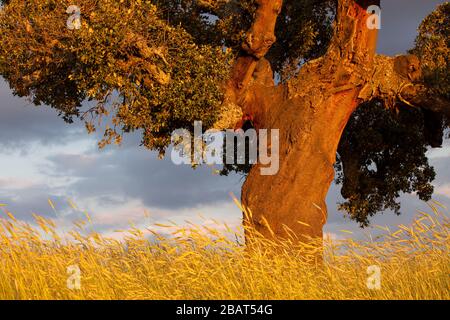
(204, 263)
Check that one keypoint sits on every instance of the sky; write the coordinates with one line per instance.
(43, 158)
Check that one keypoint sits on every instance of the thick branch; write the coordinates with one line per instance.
(397, 81)
(353, 41)
(420, 95)
(261, 36)
(348, 63)
(250, 66)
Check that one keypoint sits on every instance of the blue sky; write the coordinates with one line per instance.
(43, 158)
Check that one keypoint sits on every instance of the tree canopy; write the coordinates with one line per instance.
(156, 66)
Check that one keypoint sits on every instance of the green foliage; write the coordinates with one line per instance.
(381, 156)
(144, 73)
(433, 49)
(219, 22)
(303, 30)
(152, 66)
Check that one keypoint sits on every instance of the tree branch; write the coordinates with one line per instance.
(353, 41)
(419, 95)
(250, 65)
(261, 35)
(397, 81)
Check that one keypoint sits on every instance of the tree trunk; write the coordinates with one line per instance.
(310, 111)
(292, 202)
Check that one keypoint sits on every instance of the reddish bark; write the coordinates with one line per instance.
(311, 112)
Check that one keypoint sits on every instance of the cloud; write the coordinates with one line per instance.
(16, 184)
(22, 123)
(64, 160)
(440, 159)
(115, 221)
(138, 174)
(444, 190)
(440, 153)
(25, 201)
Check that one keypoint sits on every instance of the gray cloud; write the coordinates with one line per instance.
(113, 176)
(399, 22)
(22, 123)
(137, 173)
(25, 201)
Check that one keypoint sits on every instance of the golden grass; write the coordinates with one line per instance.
(203, 263)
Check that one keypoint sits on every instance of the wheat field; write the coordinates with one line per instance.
(37, 262)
